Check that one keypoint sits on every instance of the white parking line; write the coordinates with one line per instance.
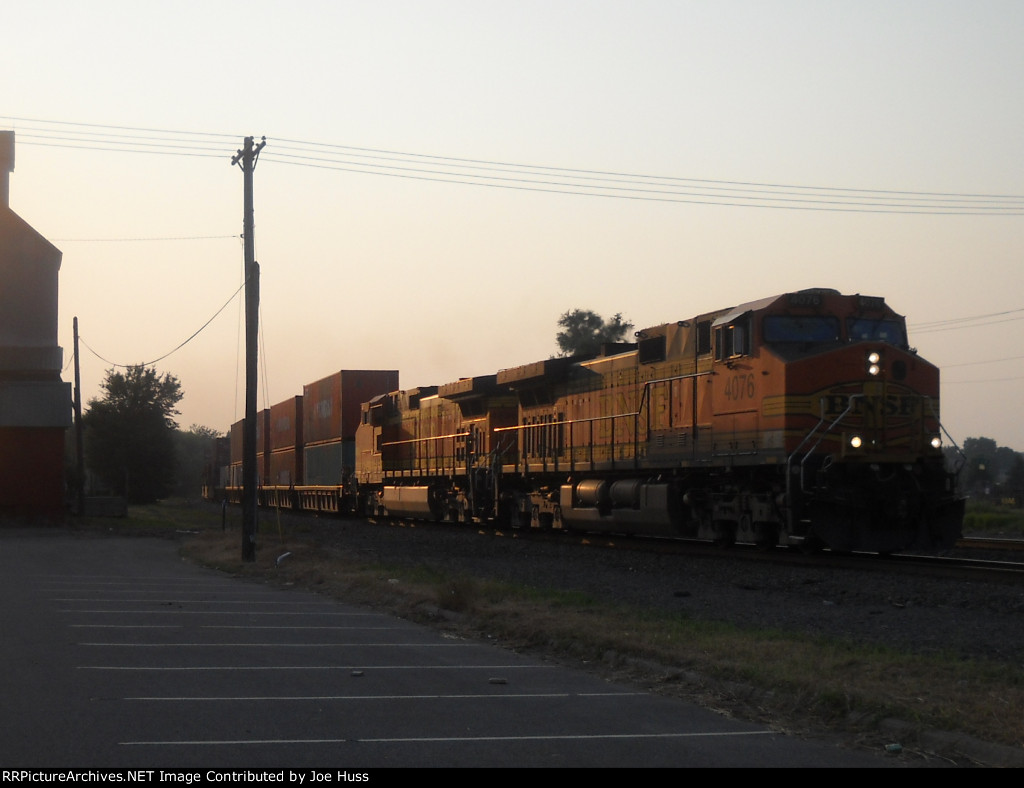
(125, 626)
(450, 739)
(315, 667)
(231, 626)
(230, 613)
(277, 645)
(87, 580)
(473, 696)
(291, 626)
(165, 601)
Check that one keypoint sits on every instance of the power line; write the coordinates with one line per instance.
(971, 317)
(108, 127)
(126, 240)
(379, 153)
(693, 197)
(989, 380)
(523, 177)
(469, 168)
(971, 321)
(671, 189)
(539, 178)
(974, 321)
(979, 363)
(170, 352)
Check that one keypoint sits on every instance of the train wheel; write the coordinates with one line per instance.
(766, 535)
(812, 545)
(510, 515)
(724, 533)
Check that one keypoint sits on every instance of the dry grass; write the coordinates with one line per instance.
(790, 681)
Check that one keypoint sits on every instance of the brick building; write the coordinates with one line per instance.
(35, 404)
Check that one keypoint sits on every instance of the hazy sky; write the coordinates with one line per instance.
(421, 260)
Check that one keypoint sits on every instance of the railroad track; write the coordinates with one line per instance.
(975, 558)
(990, 543)
(964, 567)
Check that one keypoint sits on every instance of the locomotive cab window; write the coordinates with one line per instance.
(861, 329)
(811, 329)
(703, 337)
(733, 339)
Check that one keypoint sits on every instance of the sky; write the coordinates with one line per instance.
(441, 181)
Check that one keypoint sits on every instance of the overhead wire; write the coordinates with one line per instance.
(658, 187)
(980, 363)
(973, 321)
(170, 352)
(527, 177)
(530, 177)
(119, 240)
(763, 196)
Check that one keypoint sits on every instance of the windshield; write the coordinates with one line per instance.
(891, 331)
(789, 328)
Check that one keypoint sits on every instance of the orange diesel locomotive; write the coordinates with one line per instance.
(801, 419)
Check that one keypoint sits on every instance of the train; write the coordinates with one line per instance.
(803, 419)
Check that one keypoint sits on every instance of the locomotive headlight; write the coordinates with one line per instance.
(856, 442)
(874, 358)
(936, 442)
(874, 363)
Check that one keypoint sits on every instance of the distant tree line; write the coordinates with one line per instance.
(989, 471)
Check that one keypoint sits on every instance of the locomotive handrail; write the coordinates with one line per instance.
(563, 422)
(643, 397)
(421, 463)
(963, 457)
(428, 438)
(838, 419)
(593, 419)
(807, 437)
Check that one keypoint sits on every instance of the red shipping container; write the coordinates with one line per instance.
(262, 443)
(236, 441)
(286, 425)
(330, 408)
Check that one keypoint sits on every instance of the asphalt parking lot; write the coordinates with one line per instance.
(117, 653)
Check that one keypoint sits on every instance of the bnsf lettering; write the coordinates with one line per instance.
(893, 404)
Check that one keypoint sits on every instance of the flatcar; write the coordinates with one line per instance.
(801, 419)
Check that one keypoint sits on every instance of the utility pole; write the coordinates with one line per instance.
(246, 159)
(79, 453)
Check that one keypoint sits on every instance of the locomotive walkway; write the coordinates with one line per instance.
(116, 653)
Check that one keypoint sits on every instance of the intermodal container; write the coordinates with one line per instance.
(262, 445)
(330, 410)
(286, 424)
(329, 463)
(286, 456)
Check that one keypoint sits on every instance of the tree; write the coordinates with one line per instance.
(129, 433)
(980, 470)
(1015, 481)
(193, 448)
(583, 332)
